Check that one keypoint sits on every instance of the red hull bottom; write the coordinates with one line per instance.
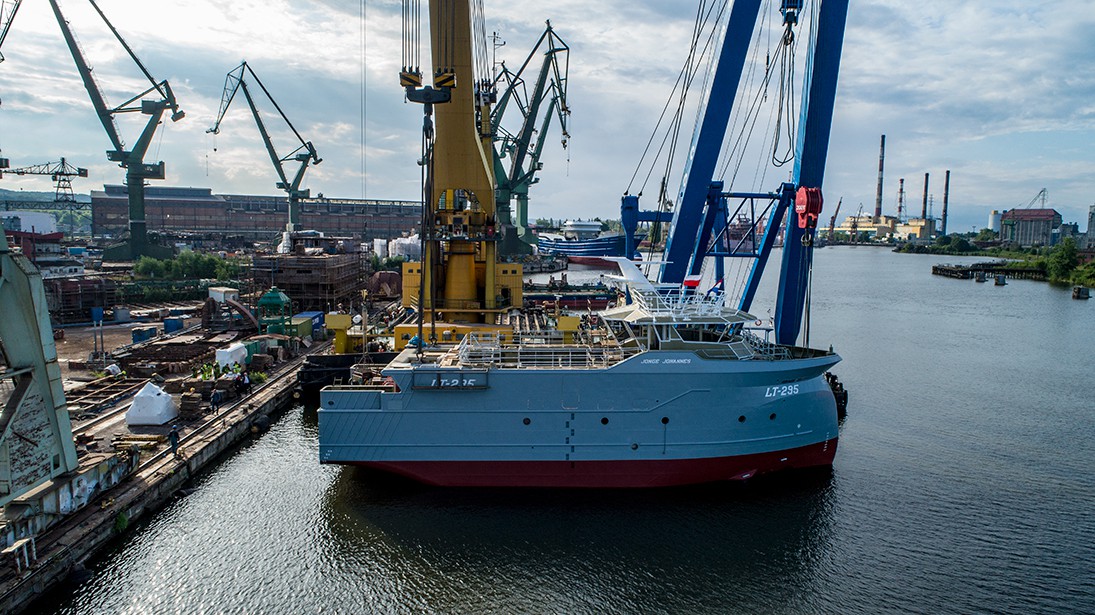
(607, 474)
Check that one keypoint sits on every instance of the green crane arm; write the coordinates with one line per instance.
(523, 152)
(6, 23)
(106, 116)
(305, 153)
(105, 112)
(62, 169)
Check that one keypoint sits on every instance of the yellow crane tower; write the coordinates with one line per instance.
(459, 285)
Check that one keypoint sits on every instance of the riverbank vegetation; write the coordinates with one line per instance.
(1061, 263)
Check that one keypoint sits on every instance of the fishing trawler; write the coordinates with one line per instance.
(672, 386)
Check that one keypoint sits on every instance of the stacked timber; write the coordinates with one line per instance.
(261, 362)
(190, 404)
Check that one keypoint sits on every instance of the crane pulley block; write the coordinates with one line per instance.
(444, 79)
(410, 79)
(808, 206)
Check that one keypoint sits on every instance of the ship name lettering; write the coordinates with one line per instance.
(454, 382)
(781, 390)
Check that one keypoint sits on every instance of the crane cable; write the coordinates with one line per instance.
(679, 92)
(479, 44)
(364, 105)
(705, 15)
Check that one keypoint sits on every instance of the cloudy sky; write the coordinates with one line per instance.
(999, 93)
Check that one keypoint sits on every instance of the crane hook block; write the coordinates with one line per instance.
(808, 206)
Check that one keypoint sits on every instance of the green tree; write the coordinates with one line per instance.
(959, 244)
(985, 234)
(1062, 260)
(147, 267)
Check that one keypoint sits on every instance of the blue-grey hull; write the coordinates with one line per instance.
(657, 418)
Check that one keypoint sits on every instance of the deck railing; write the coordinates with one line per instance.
(538, 350)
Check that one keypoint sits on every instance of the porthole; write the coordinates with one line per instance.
(665, 420)
(772, 417)
(527, 421)
(604, 420)
(741, 419)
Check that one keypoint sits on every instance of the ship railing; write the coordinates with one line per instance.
(488, 349)
(677, 302)
(765, 350)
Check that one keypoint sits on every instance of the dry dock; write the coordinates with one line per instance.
(160, 475)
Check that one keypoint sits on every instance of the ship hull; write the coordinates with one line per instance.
(642, 474)
(658, 419)
(605, 245)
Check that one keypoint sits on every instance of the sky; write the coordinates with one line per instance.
(998, 93)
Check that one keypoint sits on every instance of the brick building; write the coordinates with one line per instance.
(198, 210)
(1029, 227)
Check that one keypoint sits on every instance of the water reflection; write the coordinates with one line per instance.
(722, 547)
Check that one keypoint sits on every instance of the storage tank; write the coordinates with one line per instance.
(994, 220)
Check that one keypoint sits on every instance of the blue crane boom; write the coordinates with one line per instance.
(702, 206)
(682, 239)
(819, 97)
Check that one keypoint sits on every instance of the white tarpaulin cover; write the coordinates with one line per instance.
(236, 353)
(151, 406)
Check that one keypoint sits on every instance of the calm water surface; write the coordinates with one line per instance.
(964, 482)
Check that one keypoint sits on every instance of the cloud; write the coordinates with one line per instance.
(991, 92)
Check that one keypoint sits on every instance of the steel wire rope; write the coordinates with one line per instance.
(708, 75)
(786, 101)
(364, 74)
(752, 112)
(730, 152)
(673, 134)
(681, 76)
(479, 41)
(753, 68)
(683, 84)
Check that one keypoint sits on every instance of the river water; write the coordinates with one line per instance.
(964, 482)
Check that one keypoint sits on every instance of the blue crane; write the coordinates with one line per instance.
(305, 152)
(702, 213)
(132, 160)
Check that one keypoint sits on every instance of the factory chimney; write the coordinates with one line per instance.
(924, 209)
(901, 200)
(946, 197)
(878, 194)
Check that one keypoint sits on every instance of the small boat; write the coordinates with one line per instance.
(1081, 292)
(980, 277)
(583, 239)
(1001, 280)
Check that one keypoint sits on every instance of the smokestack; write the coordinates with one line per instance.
(924, 209)
(901, 200)
(946, 197)
(878, 195)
